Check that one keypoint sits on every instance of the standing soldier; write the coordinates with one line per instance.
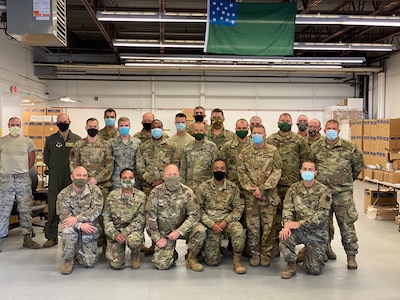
(199, 115)
(259, 169)
(305, 218)
(109, 131)
(79, 206)
(255, 120)
(56, 157)
(181, 138)
(339, 162)
(145, 134)
(124, 221)
(217, 132)
(302, 125)
(313, 135)
(197, 158)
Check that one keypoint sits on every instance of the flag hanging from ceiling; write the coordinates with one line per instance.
(250, 28)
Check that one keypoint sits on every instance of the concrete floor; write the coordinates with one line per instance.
(34, 274)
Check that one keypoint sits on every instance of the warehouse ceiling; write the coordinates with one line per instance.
(90, 42)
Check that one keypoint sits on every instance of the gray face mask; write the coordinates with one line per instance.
(80, 182)
(172, 183)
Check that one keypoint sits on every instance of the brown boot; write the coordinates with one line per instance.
(255, 259)
(289, 271)
(67, 267)
(149, 251)
(265, 260)
(330, 253)
(135, 260)
(237, 265)
(191, 261)
(351, 262)
(29, 243)
(50, 243)
(300, 255)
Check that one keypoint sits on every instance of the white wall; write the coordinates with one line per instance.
(392, 89)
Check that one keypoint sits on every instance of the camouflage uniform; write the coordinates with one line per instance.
(310, 141)
(124, 214)
(219, 140)
(152, 157)
(169, 211)
(310, 207)
(338, 166)
(217, 203)
(86, 206)
(104, 135)
(196, 163)
(124, 157)
(143, 136)
(260, 168)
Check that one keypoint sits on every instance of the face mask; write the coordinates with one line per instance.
(307, 175)
(257, 138)
(63, 126)
(156, 133)
(180, 127)
(124, 131)
(172, 183)
(128, 184)
(80, 182)
(219, 175)
(313, 132)
(302, 126)
(92, 132)
(109, 122)
(146, 126)
(199, 136)
(285, 127)
(242, 133)
(199, 118)
(331, 135)
(217, 123)
(14, 130)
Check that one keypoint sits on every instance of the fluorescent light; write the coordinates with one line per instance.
(317, 19)
(67, 99)
(150, 17)
(155, 44)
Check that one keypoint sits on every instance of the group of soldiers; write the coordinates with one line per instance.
(265, 194)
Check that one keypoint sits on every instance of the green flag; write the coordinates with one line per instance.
(265, 29)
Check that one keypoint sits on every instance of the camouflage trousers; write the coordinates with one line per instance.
(115, 252)
(102, 240)
(259, 222)
(18, 188)
(346, 215)
(212, 244)
(315, 249)
(163, 258)
(79, 245)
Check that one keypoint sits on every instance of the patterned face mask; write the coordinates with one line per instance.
(128, 183)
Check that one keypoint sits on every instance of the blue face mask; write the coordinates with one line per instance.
(109, 121)
(124, 131)
(156, 133)
(307, 175)
(257, 138)
(180, 126)
(331, 134)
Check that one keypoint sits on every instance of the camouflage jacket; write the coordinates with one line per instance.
(144, 136)
(124, 214)
(221, 139)
(219, 202)
(169, 211)
(106, 136)
(310, 141)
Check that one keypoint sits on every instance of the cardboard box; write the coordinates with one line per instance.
(396, 220)
(26, 115)
(35, 128)
(38, 141)
(376, 212)
(354, 102)
(396, 164)
(386, 198)
(50, 128)
(392, 177)
(390, 127)
(38, 111)
(394, 154)
(391, 143)
(378, 175)
(369, 173)
(373, 127)
(366, 143)
(189, 113)
(54, 111)
(367, 128)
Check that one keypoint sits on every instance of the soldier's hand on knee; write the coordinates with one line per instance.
(216, 228)
(284, 234)
(161, 243)
(174, 235)
(88, 228)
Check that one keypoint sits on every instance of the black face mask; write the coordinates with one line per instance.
(92, 132)
(146, 126)
(199, 118)
(219, 175)
(63, 126)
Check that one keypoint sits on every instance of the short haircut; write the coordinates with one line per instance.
(309, 161)
(121, 119)
(157, 120)
(126, 169)
(180, 115)
(199, 107)
(285, 114)
(92, 119)
(332, 121)
(220, 159)
(110, 110)
(217, 110)
(259, 126)
(242, 120)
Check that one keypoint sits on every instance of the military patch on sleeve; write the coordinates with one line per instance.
(328, 199)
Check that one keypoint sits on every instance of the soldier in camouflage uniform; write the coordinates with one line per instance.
(79, 206)
(124, 148)
(109, 131)
(255, 120)
(124, 221)
(197, 158)
(293, 150)
(153, 156)
(339, 162)
(173, 212)
(259, 169)
(313, 135)
(305, 219)
(302, 125)
(217, 132)
(199, 115)
(145, 134)
(221, 209)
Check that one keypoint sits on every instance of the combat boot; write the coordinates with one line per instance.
(300, 255)
(135, 260)
(351, 262)
(330, 253)
(237, 265)
(191, 261)
(67, 267)
(150, 251)
(29, 243)
(289, 271)
(255, 259)
(265, 260)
